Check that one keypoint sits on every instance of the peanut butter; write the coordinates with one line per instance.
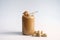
(27, 23)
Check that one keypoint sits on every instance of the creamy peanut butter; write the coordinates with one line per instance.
(27, 23)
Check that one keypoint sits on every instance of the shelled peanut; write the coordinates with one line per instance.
(39, 34)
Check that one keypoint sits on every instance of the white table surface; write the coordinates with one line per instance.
(17, 35)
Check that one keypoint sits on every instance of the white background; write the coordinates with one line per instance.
(47, 18)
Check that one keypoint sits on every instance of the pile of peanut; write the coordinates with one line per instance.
(39, 34)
